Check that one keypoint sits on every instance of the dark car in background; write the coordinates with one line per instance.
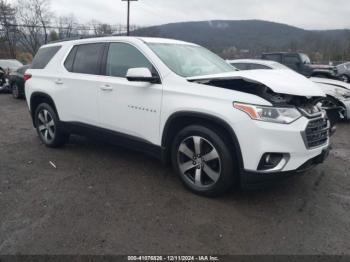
(16, 82)
(301, 63)
(7, 66)
(344, 72)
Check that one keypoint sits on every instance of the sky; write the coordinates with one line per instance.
(307, 14)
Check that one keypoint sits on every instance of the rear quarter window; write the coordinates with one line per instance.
(44, 56)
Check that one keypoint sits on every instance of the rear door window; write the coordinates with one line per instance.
(85, 59)
(273, 57)
(291, 60)
(44, 56)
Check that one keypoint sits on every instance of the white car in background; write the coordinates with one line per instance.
(338, 92)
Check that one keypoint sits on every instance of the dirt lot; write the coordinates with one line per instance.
(106, 200)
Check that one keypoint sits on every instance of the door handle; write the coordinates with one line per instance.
(58, 82)
(106, 88)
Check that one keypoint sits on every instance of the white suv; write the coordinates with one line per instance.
(181, 103)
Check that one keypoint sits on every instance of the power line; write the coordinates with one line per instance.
(78, 27)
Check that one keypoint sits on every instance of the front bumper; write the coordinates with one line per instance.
(4, 88)
(254, 180)
(257, 138)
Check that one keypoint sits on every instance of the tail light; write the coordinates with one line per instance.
(26, 77)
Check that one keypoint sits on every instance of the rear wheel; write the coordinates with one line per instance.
(203, 161)
(345, 78)
(15, 91)
(49, 127)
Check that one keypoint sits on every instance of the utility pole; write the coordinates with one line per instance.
(128, 21)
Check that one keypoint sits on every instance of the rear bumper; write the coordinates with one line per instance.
(254, 180)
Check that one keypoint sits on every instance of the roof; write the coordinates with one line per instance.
(121, 38)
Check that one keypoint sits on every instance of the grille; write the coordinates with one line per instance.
(316, 133)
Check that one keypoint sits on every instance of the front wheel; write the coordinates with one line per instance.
(203, 161)
(49, 127)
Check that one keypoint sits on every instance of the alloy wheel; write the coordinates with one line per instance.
(46, 126)
(199, 161)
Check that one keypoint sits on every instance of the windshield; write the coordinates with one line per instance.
(10, 64)
(190, 60)
(305, 59)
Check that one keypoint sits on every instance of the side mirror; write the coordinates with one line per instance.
(141, 74)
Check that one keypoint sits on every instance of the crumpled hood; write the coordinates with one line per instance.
(279, 81)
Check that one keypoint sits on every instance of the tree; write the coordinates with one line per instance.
(8, 28)
(34, 18)
(53, 35)
(67, 26)
(101, 29)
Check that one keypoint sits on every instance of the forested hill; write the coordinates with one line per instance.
(252, 37)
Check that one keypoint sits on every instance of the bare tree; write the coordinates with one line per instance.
(100, 29)
(34, 18)
(8, 28)
(67, 26)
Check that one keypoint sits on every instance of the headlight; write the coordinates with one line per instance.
(279, 115)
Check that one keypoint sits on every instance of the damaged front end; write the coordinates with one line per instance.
(296, 103)
(303, 103)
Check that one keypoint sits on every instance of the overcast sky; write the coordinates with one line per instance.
(308, 14)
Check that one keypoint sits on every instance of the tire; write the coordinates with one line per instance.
(345, 78)
(15, 91)
(202, 176)
(48, 126)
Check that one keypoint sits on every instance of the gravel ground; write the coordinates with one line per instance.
(102, 199)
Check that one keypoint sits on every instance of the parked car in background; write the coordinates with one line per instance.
(254, 64)
(7, 66)
(301, 63)
(344, 72)
(4, 82)
(337, 101)
(182, 103)
(10, 65)
(16, 82)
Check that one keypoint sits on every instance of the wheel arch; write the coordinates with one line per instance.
(38, 98)
(179, 120)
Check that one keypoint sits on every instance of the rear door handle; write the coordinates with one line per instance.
(106, 88)
(58, 82)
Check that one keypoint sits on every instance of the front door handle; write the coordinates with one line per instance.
(106, 88)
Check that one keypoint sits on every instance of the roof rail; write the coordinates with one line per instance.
(79, 38)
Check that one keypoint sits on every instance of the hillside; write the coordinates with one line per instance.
(251, 37)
